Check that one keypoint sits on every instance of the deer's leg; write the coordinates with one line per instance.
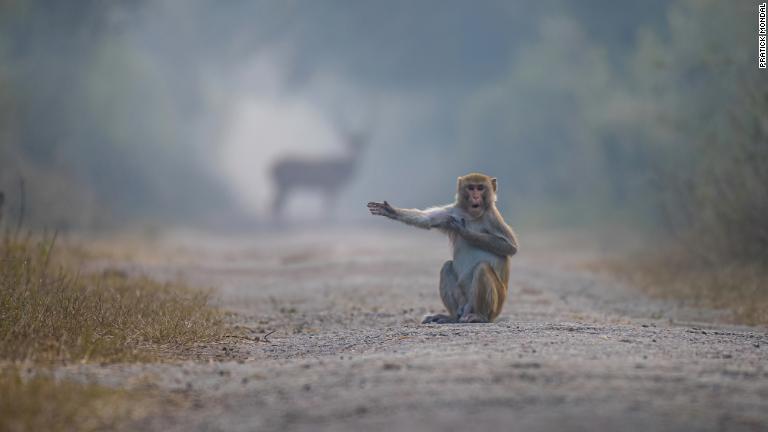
(331, 200)
(278, 202)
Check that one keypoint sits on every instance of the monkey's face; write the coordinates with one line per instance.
(476, 193)
(476, 198)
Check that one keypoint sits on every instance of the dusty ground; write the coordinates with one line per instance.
(571, 351)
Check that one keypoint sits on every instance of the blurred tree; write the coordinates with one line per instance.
(93, 122)
(705, 126)
(560, 130)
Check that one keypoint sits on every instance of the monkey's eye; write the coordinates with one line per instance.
(471, 187)
(480, 188)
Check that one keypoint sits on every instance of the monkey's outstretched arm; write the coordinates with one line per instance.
(434, 217)
(429, 218)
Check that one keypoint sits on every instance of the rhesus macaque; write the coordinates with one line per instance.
(473, 286)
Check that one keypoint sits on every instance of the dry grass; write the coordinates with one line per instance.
(740, 288)
(50, 313)
(39, 402)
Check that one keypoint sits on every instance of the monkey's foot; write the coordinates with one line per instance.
(473, 318)
(439, 319)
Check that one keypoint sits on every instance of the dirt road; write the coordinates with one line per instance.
(571, 351)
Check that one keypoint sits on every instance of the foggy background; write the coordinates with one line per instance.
(590, 113)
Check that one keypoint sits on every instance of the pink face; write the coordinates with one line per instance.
(476, 198)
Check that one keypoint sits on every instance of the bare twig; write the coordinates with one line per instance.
(21, 206)
(49, 250)
(266, 336)
(239, 337)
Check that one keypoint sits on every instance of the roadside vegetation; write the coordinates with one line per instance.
(739, 288)
(714, 199)
(705, 140)
(717, 215)
(41, 403)
(713, 248)
(50, 314)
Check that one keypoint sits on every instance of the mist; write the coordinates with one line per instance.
(209, 213)
(174, 112)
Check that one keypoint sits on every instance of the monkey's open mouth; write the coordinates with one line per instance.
(475, 205)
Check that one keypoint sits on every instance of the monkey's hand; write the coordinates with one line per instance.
(382, 209)
(455, 224)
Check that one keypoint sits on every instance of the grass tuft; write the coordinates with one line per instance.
(41, 403)
(51, 313)
(38, 401)
(738, 287)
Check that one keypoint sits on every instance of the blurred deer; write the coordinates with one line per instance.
(325, 175)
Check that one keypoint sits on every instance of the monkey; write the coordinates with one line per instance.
(474, 284)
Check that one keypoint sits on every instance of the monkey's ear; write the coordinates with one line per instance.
(458, 183)
(493, 183)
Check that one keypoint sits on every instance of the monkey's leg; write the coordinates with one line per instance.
(486, 295)
(451, 295)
